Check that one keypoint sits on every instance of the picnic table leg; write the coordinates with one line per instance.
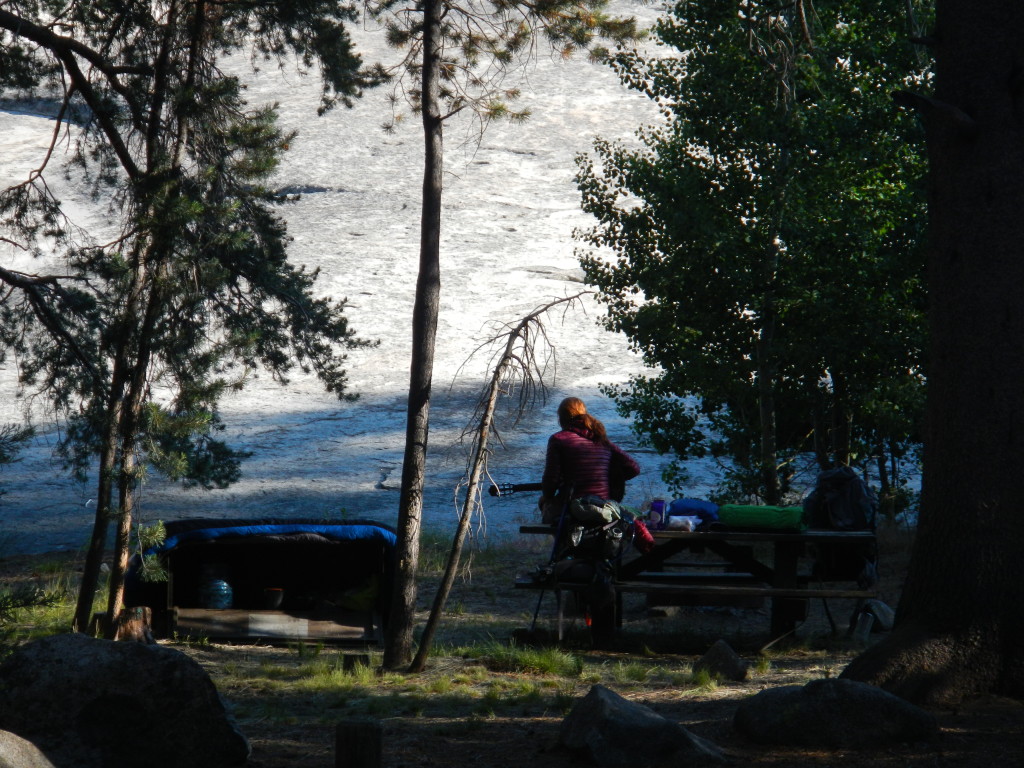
(560, 615)
(786, 610)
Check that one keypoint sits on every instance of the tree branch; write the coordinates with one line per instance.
(34, 286)
(66, 49)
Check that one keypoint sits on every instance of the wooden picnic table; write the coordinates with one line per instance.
(757, 564)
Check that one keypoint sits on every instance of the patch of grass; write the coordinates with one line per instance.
(630, 672)
(679, 678)
(188, 641)
(498, 657)
(36, 609)
(308, 650)
(527, 693)
(472, 675)
(271, 671)
(441, 685)
(703, 680)
(477, 555)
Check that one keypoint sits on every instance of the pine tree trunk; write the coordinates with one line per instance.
(122, 543)
(101, 523)
(131, 417)
(766, 403)
(398, 642)
(108, 468)
(960, 623)
(130, 421)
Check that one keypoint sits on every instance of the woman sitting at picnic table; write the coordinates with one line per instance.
(581, 457)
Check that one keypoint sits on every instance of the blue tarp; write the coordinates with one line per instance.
(361, 531)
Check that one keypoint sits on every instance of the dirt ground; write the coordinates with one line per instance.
(982, 734)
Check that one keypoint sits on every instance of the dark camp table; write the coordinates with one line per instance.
(752, 564)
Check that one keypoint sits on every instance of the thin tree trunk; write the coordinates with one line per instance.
(398, 641)
(110, 461)
(842, 423)
(131, 418)
(101, 522)
(452, 567)
(767, 372)
(122, 543)
(885, 489)
(111, 456)
(130, 415)
(766, 404)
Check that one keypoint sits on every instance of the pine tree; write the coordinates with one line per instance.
(135, 333)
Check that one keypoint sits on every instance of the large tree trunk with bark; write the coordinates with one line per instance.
(398, 643)
(960, 624)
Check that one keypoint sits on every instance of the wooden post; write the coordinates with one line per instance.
(357, 744)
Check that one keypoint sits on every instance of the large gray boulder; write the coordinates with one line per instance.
(832, 713)
(16, 752)
(612, 732)
(95, 703)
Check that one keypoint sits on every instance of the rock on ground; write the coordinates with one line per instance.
(832, 713)
(87, 702)
(615, 733)
(722, 661)
(16, 752)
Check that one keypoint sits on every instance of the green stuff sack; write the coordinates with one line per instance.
(762, 517)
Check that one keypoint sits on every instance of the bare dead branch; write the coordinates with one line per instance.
(518, 362)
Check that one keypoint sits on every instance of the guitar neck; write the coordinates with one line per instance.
(507, 489)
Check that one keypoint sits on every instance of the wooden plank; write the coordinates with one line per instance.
(712, 590)
(340, 626)
(811, 535)
(697, 577)
(706, 590)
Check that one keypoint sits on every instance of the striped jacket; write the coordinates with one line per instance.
(573, 458)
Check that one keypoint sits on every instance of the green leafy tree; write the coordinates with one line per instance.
(136, 332)
(761, 249)
(458, 55)
(959, 630)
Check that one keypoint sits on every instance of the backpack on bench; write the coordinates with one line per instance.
(842, 501)
(596, 530)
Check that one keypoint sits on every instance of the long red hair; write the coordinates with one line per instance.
(573, 413)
